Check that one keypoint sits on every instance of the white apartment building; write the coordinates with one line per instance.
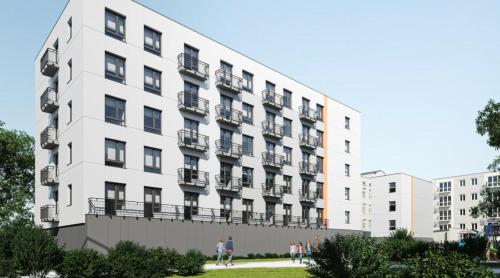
(453, 197)
(400, 201)
(140, 116)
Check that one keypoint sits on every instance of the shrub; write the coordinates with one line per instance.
(160, 262)
(126, 259)
(349, 256)
(474, 246)
(7, 234)
(83, 263)
(190, 264)
(401, 244)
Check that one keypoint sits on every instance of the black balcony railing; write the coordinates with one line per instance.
(228, 149)
(49, 138)
(49, 213)
(192, 177)
(192, 103)
(308, 141)
(49, 175)
(271, 129)
(49, 63)
(228, 183)
(228, 81)
(272, 160)
(190, 139)
(192, 67)
(307, 168)
(272, 99)
(99, 206)
(308, 114)
(307, 196)
(48, 100)
(228, 115)
(272, 190)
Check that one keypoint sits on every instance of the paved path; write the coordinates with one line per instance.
(275, 264)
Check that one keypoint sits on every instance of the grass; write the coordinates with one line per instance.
(252, 260)
(285, 272)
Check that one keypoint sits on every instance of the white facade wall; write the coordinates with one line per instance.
(366, 210)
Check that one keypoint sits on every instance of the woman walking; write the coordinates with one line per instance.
(292, 251)
(219, 248)
(308, 251)
(300, 251)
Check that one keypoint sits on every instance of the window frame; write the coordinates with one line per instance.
(245, 119)
(392, 206)
(115, 162)
(154, 74)
(347, 123)
(113, 120)
(285, 160)
(243, 74)
(113, 33)
(114, 76)
(287, 188)
(155, 35)
(154, 152)
(287, 131)
(392, 187)
(152, 129)
(249, 178)
(243, 143)
(287, 98)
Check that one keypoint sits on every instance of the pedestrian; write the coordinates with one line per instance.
(316, 242)
(300, 251)
(308, 251)
(219, 249)
(229, 250)
(292, 251)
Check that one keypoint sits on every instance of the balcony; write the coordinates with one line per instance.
(307, 168)
(192, 177)
(229, 82)
(308, 114)
(228, 149)
(271, 129)
(48, 100)
(272, 191)
(189, 103)
(228, 115)
(272, 160)
(307, 196)
(49, 138)
(228, 184)
(49, 213)
(272, 99)
(192, 140)
(49, 176)
(192, 67)
(49, 64)
(308, 141)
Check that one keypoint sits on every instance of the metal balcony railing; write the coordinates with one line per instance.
(228, 149)
(272, 190)
(228, 115)
(228, 81)
(49, 175)
(192, 67)
(308, 114)
(192, 177)
(307, 196)
(49, 101)
(49, 63)
(272, 130)
(194, 104)
(272, 99)
(49, 213)
(228, 183)
(308, 141)
(307, 168)
(49, 138)
(272, 160)
(190, 139)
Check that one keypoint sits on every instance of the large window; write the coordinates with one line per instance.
(247, 178)
(152, 80)
(319, 190)
(115, 110)
(444, 215)
(288, 184)
(446, 200)
(190, 205)
(319, 164)
(288, 155)
(247, 145)
(247, 113)
(114, 197)
(493, 181)
(287, 98)
(247, 81)
(445, 186)
(115, 67)
(152, 160)
(319, 112)
(115, 153)
(152, 120)
(319, 134)
(115, 25)
(287, 127)
(152, 40)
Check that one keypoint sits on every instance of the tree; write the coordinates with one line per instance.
(488, 123)
(17, 179)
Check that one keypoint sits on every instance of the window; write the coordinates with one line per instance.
(392, 205)
(392, 187)
(347, 123)
(152, 40)
(445, 200)
(462, 183)
(70, 112)
(247, 179)
(462, 197)
(473, 226)
(288, 184)
(444, 227)
(319, 134)
(247, 210)
(70, 194)
(287, 98)
(347, 146)
(152, 81)
(152, 120)
(392, 225)
(115, 110)
(347, 193)
(347, 170)
(462, 211)
(287, 127)
(474, 196)
(247, 113)
(190, 205)
(445, 186)
(474, 181)
(247, 81)
(493, 181)
(70, 153)
(115, 153)
(270, 86)
(115, 67)
(115, 25)
(288, 156)
(70, 28)
(319, 112)
(70, 70)
(247, 145)
(319, 164)
(347, 219)
(319, 190)
(152, 160)
(444, 215)
(462, 226)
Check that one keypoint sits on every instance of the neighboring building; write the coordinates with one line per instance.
(400, 201)
(366, 210)
(143, 118)
(454, 196)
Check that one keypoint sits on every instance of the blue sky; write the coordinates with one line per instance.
(417, 70)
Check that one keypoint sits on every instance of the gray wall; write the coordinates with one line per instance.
(103, 232)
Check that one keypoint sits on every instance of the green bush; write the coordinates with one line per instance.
(190, 264)
(7, 234)
(474, 246)
(126, 259)
(401, 244)
(160, 262)
(83, 263)
(349, 256)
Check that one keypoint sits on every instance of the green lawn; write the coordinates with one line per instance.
(252, 260)
(285, 272)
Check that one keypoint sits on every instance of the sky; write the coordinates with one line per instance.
(418, 71)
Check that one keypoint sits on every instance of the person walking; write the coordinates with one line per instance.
(300, 251)
(308, 251)
(219, 248)
(229, 250)
(292, 251)
(316, 242)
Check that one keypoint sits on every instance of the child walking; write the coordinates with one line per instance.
(219, 248)
(300, 251)
(292, 251)
(308, 251)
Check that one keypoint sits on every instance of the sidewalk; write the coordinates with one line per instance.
(276, 264)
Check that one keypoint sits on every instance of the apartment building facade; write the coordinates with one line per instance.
(142, 117)
(453, 198)
(366, 209)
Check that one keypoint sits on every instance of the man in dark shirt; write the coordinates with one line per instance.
(229, 250)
